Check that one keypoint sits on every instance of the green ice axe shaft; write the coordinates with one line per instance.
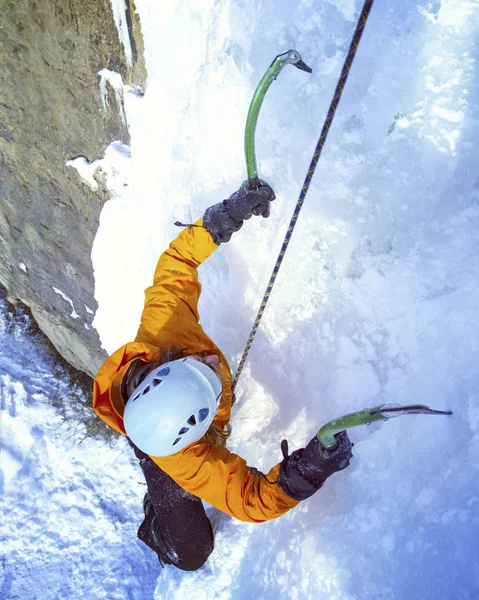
(287, 58)
(371, 415)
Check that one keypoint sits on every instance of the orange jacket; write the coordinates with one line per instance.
(170, 320)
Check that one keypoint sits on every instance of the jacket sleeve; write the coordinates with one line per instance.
(224, 480)
(170, 314)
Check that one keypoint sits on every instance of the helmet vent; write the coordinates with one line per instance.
(192, 420)
(183, 430)
(176, 441)
(146, 390)
(204, 412)
(156, 382)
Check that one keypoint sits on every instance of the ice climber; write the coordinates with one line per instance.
(170, 392)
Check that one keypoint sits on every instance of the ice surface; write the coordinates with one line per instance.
(116, 82)
(377, 299)
(119, 14)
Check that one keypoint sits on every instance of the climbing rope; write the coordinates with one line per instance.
(312, 167)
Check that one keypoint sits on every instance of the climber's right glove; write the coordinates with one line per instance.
(226, 217)
(304, 471)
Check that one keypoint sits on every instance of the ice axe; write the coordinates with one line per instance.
(291, 57)
(383, 412)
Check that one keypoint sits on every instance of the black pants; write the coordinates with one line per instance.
(176, 527)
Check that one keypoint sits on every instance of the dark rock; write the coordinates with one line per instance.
(50, 112)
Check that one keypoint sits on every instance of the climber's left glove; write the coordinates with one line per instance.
(226, 217)
(304, 471)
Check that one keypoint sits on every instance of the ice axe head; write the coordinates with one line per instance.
(292, 57)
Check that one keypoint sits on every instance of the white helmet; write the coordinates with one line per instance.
(172, 407)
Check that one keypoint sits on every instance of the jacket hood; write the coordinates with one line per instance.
(107, 401)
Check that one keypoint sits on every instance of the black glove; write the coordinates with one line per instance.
(304, 472)
(226, 217)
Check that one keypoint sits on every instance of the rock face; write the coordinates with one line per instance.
(51, 111)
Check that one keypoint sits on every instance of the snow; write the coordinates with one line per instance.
(85, 169)
(65, 530)
(377, 301)
(112, 165)
(74, 314)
